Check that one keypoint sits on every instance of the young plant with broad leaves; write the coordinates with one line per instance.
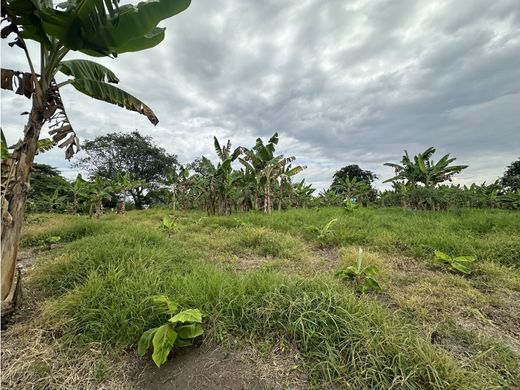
(362, 276)
(169, 224)
(324, 234)
(50, 241)
(458, 264)
(179, 331)
(349, 205)
(98, 28)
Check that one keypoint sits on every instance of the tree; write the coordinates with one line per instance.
(98, 190)
(267, 168)
(124, 184)
(96, 28)
(424, 170)
(511, 178)
(130, 153)
(352, 172)
(45, 180)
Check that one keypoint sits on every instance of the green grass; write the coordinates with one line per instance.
(491, 235)
(94, 289)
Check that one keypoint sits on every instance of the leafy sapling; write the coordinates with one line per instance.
(169, 224)
(324, 233)
(49, 241)
(180, 330)
(457, 264)
(363, 277)
(350, 205)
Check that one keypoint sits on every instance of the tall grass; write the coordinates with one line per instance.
(96, 290)
(491, 235)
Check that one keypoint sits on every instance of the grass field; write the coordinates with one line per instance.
(268, 282)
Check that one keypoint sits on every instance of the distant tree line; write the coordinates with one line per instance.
(128, 168)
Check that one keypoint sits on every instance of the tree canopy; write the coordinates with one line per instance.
(353, 171)
(128, 152)
(511, 178)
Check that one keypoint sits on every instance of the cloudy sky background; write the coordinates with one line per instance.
(343, 82)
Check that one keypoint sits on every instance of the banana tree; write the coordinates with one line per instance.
(77, 187)
(53, 202)
(94, 27)
(349, 188)
(124, 183)
(303, 193)
(422, 169)
(96, 192)
(286, 172)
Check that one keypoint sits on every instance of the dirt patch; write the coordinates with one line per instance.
(250, 262)
(326, 259)
(215, 367)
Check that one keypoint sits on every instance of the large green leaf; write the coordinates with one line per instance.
(164, 303)
(85, 69)
(145, 342)
(182, 343)
(111, 94)
(372, 284)
(465, 259)
(442, 256)
(190, 315)
(460, 267)
(93, 27)
(370, 270)
(163, 341)
(189, 331)
(26, 15)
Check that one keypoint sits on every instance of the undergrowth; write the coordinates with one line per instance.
(95, 290)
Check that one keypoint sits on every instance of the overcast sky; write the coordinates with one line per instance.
(343, 82)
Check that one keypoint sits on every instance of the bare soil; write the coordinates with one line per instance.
(215, 367)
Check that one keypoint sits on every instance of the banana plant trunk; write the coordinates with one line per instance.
(15, 189)
(74, 210)
(99, 208)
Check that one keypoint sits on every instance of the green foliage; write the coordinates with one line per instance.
(362, 276)
(458, 264)
(511, 177)
(133, 154)
(98, 283)
(169, 224)
(48, 190)
(326, 233)
(350, 205)
(180, 331)
(424, 170)
(49, 241)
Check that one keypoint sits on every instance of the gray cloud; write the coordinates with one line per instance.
(342, 82)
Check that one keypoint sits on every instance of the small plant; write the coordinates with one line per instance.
(179, 331)
(49, 241)
(169, 224)
(324, 233)
(350, 206)
(457, 264)
(362, 276)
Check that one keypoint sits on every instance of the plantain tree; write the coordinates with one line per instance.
(123, 184)
(98, 28)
